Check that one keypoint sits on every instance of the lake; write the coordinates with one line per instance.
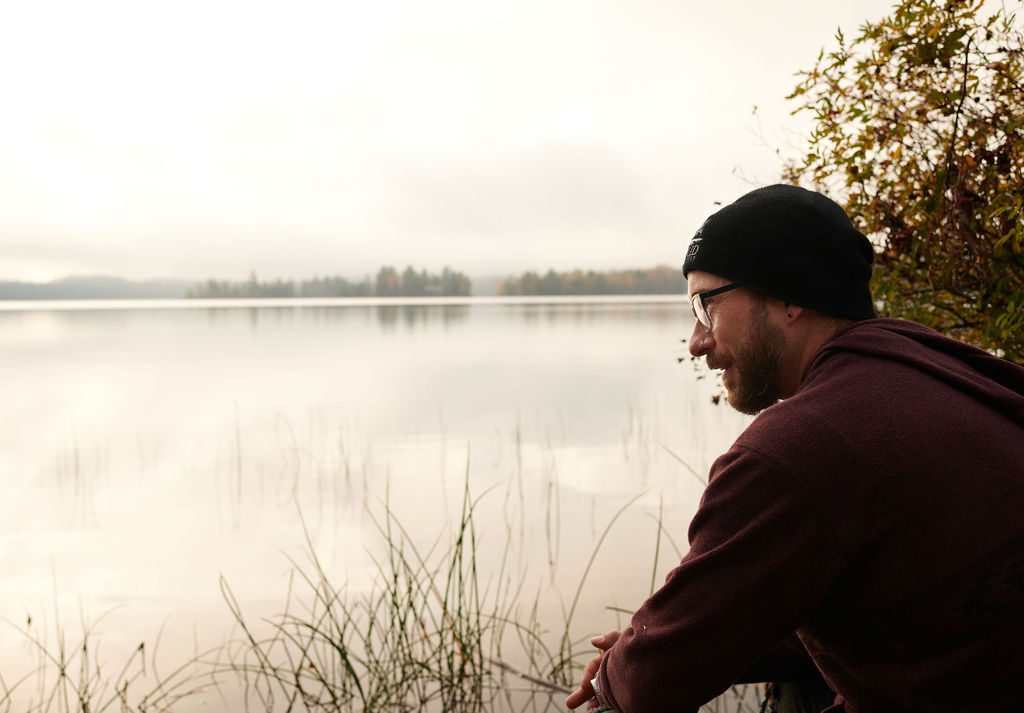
(151, 449)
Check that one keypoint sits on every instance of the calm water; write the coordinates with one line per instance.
(145, 452)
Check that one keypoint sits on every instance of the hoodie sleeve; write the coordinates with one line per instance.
(788, 662)
(761, 557)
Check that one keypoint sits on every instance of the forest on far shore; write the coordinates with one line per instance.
(388, 282)
(660, 280)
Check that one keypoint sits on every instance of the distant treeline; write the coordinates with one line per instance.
(388, 283)
(93, 287)
(658, 280)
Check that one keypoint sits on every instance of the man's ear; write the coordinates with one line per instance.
(792, 311)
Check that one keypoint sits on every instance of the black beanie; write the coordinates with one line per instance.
(792, 244)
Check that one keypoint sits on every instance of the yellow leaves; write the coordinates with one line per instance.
(883, 124)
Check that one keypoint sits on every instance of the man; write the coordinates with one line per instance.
(872, 515)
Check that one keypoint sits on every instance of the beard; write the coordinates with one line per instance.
(756, 365)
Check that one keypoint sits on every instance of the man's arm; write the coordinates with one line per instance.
(761, 557)
(788, 662)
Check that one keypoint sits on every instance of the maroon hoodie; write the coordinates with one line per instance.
(879, 514)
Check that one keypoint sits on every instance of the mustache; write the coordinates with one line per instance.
(714, 362)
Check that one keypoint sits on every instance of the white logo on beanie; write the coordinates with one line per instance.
(694, 247)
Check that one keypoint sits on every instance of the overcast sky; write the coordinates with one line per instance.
(202, 138)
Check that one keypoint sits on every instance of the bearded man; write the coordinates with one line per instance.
(868, 525)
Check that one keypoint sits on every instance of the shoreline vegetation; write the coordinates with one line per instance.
(388, 282)
(433, 633)
(659, 280)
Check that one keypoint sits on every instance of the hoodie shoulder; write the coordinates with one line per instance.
(996, 382)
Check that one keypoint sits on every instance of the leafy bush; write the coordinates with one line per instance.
(919, 131)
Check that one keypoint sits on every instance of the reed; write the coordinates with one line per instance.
(425, 636)
(435, 631)
(430, 634)
(66, 676)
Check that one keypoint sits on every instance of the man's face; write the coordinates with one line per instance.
(743, 341)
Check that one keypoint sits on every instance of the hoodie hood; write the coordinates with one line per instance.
(989, 379)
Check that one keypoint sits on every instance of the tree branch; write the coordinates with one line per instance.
(959, 108)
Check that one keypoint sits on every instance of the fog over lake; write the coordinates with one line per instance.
(147, 451)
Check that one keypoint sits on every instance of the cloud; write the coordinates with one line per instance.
(211, 138)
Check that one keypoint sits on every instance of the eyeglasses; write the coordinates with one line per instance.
(699, 303)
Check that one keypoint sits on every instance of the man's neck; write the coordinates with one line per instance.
(819, 331)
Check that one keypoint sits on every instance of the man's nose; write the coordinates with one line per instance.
(701, 340)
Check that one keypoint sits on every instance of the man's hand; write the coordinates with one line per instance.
(585, 692)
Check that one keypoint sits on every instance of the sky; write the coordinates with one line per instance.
(210, 139)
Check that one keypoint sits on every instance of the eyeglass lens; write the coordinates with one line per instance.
(700, 311)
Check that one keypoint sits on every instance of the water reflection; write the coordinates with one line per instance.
(412, 316)
(21, 328)
(149, 451)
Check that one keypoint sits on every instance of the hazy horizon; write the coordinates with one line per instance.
(105, 287)
(208, 140)
(323, 273)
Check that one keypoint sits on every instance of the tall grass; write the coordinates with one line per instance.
(72, 675)
(429, 634)
(434, 631)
